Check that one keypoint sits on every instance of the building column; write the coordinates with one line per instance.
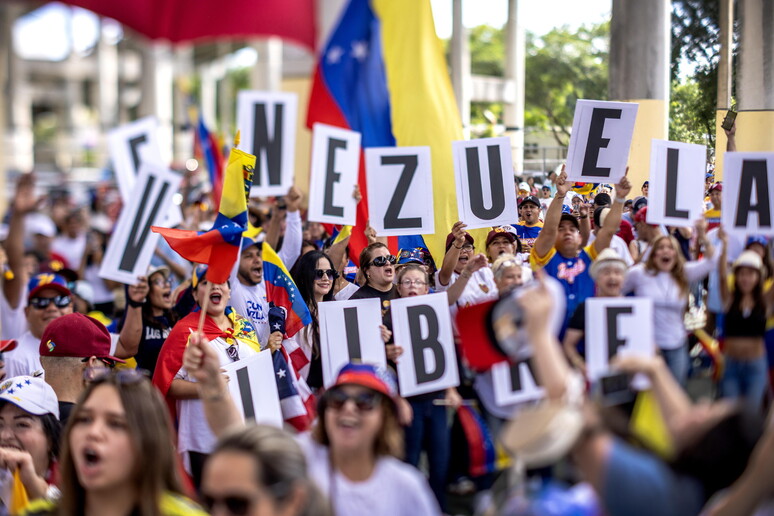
(639, 72)
(157, 92)
(460, 66)
(755, 77)
(183, 125)
(5, 51)
(725, 81)
(19, 140)
(266, 75)
(515, 49)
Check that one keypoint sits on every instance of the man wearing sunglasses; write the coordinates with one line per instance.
(48, 299)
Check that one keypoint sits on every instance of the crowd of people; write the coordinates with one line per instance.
(113, 400)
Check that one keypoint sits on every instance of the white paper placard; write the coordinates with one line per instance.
(613, 324)
(515, 383)
(483, 171)
(130, 145)
(676, 195)
(333, 175)
(349, 331)
(131, 245)
(267, 122)
(254, 389)
(748, 196)
(601, 136)
(400, 190)
(422, 326)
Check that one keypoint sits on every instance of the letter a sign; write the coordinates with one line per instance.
(483, 169)
(747, 192)
(601, 137)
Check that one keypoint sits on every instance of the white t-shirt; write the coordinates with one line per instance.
(71, 249)
(618, 245)
(346, 292)
(250, 302)
(480, 287)
(193, 432)
(25, 359)
(13, 320)
(394, 489)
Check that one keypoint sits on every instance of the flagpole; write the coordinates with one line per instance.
(204, 306)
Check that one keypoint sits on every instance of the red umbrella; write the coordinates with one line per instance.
(188, 20)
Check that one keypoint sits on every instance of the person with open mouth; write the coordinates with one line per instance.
(665, 277)
(149, 318)
(118, 452)
(231, 335)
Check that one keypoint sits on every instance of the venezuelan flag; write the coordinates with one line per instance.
(383, 74)
(210, 151)
(219, 247)
(282, 291)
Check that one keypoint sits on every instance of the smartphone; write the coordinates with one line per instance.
(615, 389)
(728, 121)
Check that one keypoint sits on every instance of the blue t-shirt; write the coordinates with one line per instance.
(572, 273)
(528, 234)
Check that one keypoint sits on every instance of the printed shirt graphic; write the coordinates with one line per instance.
(572, 273)
(528, 234)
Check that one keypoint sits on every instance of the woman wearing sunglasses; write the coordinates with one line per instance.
(260, 471)
(149, 317)
(315, 276)
(355, 448)
(118, 453)
(378, 268)
(29, 441)
(232, 337)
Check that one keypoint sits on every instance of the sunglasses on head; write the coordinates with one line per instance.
(238, 505)
(364, 401)
(42, 302)
(120, 376)
(330, 273)
(381, 261)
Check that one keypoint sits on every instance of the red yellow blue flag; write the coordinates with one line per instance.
(208, 146)
(219, 247)
(282, 291)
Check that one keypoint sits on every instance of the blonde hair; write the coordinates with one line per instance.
(677, 271)
(503, 262)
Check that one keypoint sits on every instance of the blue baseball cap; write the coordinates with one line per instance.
(757, 239)
(376, 378)
(47, 280)
(249, 242)
(416, 255)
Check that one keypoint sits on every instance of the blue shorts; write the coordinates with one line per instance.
(640, 484)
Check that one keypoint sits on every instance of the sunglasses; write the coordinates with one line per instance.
(364, 401)
(411, 283)
(321, 273)
(237, 505)
(381, 261)
(41, 303)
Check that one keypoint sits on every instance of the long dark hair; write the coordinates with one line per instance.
(148, 319)
(759, 302)
(303, 275)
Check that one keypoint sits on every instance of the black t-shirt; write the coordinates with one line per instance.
(65, 408)
(150, 343)
(368, 292)
(578, 322)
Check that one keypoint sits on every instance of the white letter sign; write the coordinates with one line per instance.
(601, 137)
(515, 383)
(747, 192)
(267, 121)
(131, 246)
(333, 175)
(400, 190)
(130, 145)
(483, 170)
(253, 388)
(422, 326)
(615, 323)
(349, 331)
(676, 183)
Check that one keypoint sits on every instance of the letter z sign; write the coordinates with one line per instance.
(400, 190)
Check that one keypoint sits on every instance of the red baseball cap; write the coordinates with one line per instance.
(76, 335)
(7, 345)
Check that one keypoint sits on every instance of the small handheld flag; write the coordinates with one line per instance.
(282, 291)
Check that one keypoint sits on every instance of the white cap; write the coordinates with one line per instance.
(524, 186)
(30, 394)
(83, 290)
(749, 259)
(606, 258)
(40, 224)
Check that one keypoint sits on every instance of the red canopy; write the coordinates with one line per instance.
(187, 20)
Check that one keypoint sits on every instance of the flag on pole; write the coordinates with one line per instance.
(296, 399)
(383, 73)
(209, 149)
(282, 291)
(219, 247)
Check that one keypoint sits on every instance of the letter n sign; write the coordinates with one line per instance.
(747, 192)
(400, 190)
(422, 325)
(131, 246)
(267, 121)
(483, 169)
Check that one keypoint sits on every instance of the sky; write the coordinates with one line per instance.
(538, 17)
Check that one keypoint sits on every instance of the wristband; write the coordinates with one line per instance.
(620, 200)
(134, 304)
(460, 247)
(462, 275)
(218, 396)
(583, 216)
